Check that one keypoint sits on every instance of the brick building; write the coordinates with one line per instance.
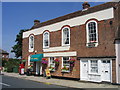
(4, 54)
(86, 43)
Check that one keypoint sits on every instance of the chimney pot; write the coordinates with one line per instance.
(85, 5)
(36, 22)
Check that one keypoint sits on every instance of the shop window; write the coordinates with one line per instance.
(92, 33)
(46, 39)
(65, 62)
(66, 36)
(51, 62)
(93, 66)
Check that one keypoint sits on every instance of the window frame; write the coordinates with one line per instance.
(63, 36)
(68, 60)
(50, 62)
(31, 49)
(91, 67)
(48, 39)
(87, 33)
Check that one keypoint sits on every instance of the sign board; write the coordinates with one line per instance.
(47, 71)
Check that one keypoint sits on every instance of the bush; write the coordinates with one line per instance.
(4, 62)
(11, 64)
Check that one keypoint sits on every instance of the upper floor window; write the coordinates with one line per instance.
(66, 36)
(31, 42)
(46, 39)
(92, 33)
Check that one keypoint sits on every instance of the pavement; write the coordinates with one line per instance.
(63, 82)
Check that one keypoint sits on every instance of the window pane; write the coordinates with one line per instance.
(52, 61)
(66, 36)
(92, 31)
(31, 41)
(65, 61)
(94, 66)
(46, 36)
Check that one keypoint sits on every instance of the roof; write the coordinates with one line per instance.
(3, 52)
(75, 14)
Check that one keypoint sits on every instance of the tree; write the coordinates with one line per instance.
(17, 49)
(11, 64)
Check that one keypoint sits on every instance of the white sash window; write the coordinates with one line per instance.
(46, 40)
(31, 43)
(66, 36)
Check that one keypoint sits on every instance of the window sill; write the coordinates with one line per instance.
(65, 45)
(45, 47)
(92, 44)
(65, 71)
(51, 70)
(31, 50)
(97, 74)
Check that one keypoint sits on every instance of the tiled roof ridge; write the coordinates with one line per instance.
(75, 14)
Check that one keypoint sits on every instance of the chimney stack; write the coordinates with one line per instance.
(85, 5)
(36, 22)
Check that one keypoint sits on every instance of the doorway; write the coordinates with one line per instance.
(106, 70)
(84, 69)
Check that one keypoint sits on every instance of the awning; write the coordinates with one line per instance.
(36, 57)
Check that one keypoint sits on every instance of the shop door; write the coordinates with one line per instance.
(84, 70)
(106, 70)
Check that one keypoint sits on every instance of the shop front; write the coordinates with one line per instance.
(35, 63)
(96, 70)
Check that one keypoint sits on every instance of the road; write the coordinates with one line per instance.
(12, 82)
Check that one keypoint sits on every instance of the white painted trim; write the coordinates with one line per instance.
(80, 69)
(117, 60)
(31, 49)
(61, 48)
(87, 32)
(111, 70)
(99, 69)
(49, 61)
(28, 60)
(63, 38)
(62, 62)
(48, 40)
(99, 15)
(60, 54)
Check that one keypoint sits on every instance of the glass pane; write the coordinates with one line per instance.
(66, 36)
(92, 31)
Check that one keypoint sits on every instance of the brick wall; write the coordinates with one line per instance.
(75, 72)
(106, 45)
(113, 71)
(106, 36)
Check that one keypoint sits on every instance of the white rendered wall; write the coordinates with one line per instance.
(99, 15)
(60, 54)
(118, 61)
(61, 48)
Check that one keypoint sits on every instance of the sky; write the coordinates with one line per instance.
(21, 15)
